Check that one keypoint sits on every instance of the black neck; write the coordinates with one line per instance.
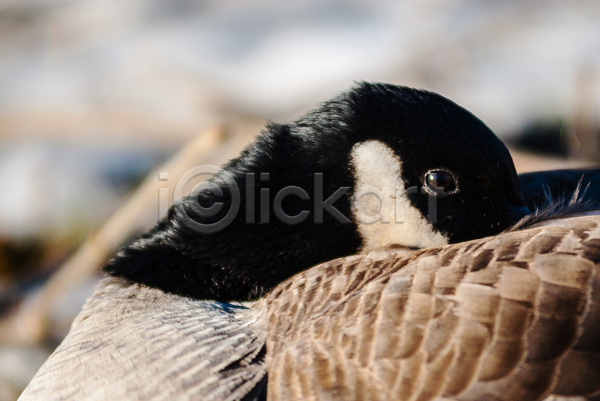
(276, 232)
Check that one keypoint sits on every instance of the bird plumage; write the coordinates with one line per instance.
(132, 342)
(509, 317)
(502, 316)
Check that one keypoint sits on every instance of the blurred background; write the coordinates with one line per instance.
(105, 104)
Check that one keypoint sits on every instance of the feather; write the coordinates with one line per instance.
(510, 317)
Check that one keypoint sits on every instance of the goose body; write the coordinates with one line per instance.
(190, 313)
(509, 317)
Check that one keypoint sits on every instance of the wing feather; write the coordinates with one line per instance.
(131, 342)
(511, 317)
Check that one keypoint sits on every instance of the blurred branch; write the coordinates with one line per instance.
(525, 162)
(583, 128)
(30, 324)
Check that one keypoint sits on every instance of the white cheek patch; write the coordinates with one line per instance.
(380, 205)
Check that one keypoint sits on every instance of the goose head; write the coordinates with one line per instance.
(378, 164)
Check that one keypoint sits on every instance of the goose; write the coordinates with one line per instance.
(219, 305)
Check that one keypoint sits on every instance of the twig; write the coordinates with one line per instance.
(30, 324)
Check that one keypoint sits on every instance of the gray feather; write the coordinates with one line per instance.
(131, 342)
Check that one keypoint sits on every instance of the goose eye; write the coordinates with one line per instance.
(440, 182)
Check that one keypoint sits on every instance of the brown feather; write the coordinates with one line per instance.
(511, 317)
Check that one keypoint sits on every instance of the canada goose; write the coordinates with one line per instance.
(164, 324)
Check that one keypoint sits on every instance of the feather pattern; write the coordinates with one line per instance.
(132, 342)
(510, 317)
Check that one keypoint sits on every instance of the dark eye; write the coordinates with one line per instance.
(440, 182)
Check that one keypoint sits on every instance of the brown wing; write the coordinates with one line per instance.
(511, 317)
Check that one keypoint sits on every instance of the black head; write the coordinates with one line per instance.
(295, 197)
